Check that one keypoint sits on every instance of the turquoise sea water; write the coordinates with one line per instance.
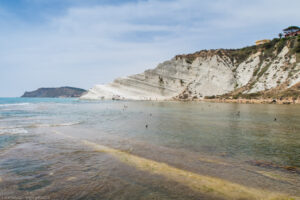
(43, 149)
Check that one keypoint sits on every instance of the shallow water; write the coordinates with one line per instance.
(72, 149)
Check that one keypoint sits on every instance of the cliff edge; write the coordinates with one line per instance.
(211, 73)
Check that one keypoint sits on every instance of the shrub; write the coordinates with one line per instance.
(181, 82)
(281, 44)
(251, 95)
(160, 79)
(189, 61)
(256, 71)
(263, 70)
(237, 95)
(210, 97)
(297, 48)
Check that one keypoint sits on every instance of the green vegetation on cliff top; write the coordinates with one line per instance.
(237, 56)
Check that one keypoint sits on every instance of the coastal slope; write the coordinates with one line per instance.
(210, 73)
(55, 92)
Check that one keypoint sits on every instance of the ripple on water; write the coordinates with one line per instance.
(7, 140)
(31, 174)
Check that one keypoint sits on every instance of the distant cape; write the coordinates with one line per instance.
(62, 92)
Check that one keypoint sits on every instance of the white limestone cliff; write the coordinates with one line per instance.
(205, 73)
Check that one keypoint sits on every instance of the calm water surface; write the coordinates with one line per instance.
(72, 149)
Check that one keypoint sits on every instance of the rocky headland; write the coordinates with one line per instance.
(269, 71)
(61, 92)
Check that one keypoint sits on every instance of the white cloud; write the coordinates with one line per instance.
(95, 44)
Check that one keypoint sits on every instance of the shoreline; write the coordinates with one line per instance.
(255, 101)
(238, 101)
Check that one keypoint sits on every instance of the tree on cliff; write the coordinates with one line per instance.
(291, 29)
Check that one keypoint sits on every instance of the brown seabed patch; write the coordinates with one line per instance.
(265, 164)
(211, 186)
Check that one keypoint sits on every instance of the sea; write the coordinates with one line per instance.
(67, 148)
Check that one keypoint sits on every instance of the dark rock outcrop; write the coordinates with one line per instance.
(55, 92)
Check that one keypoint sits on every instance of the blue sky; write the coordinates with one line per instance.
(51, 43)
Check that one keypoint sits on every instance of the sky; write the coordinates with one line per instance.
(81, 43)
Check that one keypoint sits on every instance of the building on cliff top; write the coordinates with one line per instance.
(291, 34)
(291, 31)
(259, 42)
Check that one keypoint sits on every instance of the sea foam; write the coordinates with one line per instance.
(13, 131)
(14, 104)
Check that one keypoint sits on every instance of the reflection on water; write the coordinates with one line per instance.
(70, 149)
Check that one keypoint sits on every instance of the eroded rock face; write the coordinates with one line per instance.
(206, 73)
